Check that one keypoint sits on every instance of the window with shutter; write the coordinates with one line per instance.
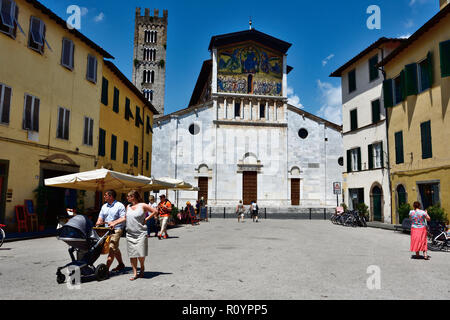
(31, 113)
(102, 143)
(5, 103)
(387, 93)
(425, 131)
(138, 120)
(128, 112)
(373, 70)
(444, 53)
(375, 111)
(125, 152)
(136, 156)
(8, 17)
(358, 152)
(399, 158)
(411, 79)
(37, 34)
(113, 147)
(370, 156)
(104, 91)
(88, 132)
(67, 53)
(91, 73)
(116, 100)
(425, 74)
(62, 131)
(353, 119)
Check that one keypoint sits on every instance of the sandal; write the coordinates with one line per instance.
(134, 278)
(120, 267)
(427, 258)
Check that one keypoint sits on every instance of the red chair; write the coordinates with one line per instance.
(31, 214)
(21, 218)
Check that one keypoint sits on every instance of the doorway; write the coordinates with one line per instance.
(429, 194)
(377, 196)
(4, 168)
(249, 187)
(203, 188)
(295, 192)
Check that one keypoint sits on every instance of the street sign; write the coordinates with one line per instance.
(336, 188)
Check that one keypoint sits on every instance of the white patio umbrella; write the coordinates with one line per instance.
(100, 180)
(178, 184)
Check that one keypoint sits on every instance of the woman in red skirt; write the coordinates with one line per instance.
(419, 231)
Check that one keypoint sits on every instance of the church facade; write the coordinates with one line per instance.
(239, 139)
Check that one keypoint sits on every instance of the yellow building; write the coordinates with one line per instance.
(416, 95)
(51, 82)
(126, 120)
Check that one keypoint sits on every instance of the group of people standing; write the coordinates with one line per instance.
(134, 218)
(240, 211)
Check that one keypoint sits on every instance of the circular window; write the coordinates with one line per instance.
(341, 161)
(194, 129)
(303, 133)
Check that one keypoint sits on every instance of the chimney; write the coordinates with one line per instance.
(443, 3)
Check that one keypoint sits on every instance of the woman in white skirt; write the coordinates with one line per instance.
(137, 243)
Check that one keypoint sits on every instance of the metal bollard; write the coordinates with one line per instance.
(224, 213)
(265, 213)
(310, 211)
(324, 213)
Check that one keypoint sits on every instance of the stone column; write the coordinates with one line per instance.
(214, 71)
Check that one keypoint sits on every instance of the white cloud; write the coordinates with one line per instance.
(331, 98)
(409, 23)
(324, 62)
(413, 2)
(100, 17)
(293, 99)
(404, 36)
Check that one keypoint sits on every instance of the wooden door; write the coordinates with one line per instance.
(295, 192)
(250, 187)
(203, 186)
(4, 167)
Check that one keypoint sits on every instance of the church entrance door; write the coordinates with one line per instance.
(203, 188)
(250, 187)
(295, 192)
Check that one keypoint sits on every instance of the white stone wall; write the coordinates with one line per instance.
(316, 158)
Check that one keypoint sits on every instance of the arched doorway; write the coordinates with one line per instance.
(377, 197)
(401, 195)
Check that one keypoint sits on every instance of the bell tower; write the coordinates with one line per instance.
(149, 64)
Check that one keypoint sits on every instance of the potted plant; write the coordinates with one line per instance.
(363, 210)
(436, 213)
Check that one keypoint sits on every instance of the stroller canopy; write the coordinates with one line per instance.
(83, 224)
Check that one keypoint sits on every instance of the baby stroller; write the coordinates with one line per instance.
(85, 240)
(440, 240)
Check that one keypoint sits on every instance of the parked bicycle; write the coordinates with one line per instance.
(2, 234)
(350, 218)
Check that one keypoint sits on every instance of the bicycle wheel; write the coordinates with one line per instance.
(2, 236)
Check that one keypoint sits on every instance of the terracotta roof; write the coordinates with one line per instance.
(75, 32)
(427, 26)
(376, 44)
(246, 35)
(131, 86)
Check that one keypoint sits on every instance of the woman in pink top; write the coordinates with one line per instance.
(419, 230)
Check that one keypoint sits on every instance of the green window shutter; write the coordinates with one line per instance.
(370, 152)
(444, 52)
(430, 66)
(411, 79)
(105, 91)
(116, 100)
(128, 113)
(387, 93)
(349, 161)
(375, 111)
(373, 71)
(147, 160)
(113, 147)
(354, 119)
(403, 85)
(359, 159)
(352, 81)
(399, 158)
(382, 154)
(138, 120)
(136, 156)
(425, 132)
(125, 152)
(101, 142)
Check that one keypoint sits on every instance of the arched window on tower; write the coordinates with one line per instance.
(152, 77)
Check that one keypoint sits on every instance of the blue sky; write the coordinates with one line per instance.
(324, 35)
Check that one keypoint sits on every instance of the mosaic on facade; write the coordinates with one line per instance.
(249, 69)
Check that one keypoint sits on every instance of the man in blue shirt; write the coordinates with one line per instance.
(111, 211)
